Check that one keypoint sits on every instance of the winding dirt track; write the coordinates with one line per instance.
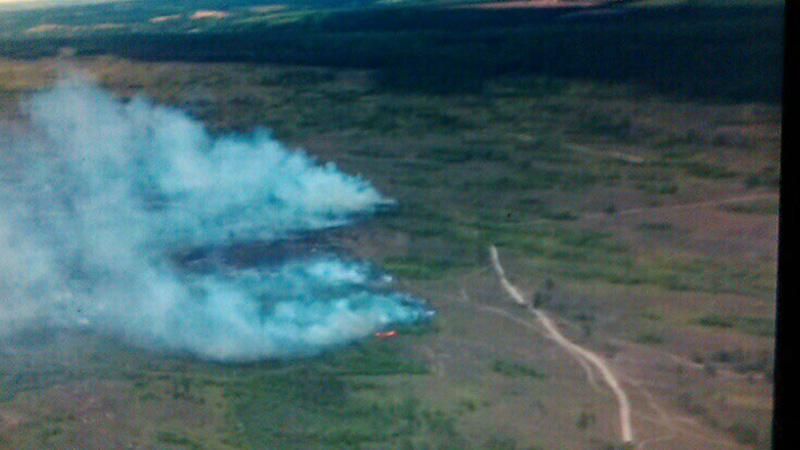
(579, 353)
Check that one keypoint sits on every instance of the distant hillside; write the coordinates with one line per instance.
(713, 52)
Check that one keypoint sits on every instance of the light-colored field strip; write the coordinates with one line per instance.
(626, 427)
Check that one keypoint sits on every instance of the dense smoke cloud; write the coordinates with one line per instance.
(98, 195)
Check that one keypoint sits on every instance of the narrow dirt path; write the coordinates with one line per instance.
(680, 206)
(578, 352)
(527, 324)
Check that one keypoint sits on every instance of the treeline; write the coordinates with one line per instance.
(732, 53)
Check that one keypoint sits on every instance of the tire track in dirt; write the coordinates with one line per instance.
(576, 351)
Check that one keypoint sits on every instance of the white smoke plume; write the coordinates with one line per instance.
(97, 195)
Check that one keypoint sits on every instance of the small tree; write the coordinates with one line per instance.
(585, 420)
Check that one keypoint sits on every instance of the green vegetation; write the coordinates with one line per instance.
(554, 242)
(624, 446)
(605, 124)
(741, 361)
(717, 321)
(417, 268)
(585, 420)
(500, 443)
(744, 433)
(757, 326)
(373, 358)
(705, 170)
(769, 208)
(691, 404)
(652, 316)
(650, 338)
(658, 227)
(514, 370)
(568, 252)
(768, 177)
(176, 439)
(50, 432)
(731, 53)
(309, 407)
(339, 400)
(488, 128)
(658, 188)
(454, 155)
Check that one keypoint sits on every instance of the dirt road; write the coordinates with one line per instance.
(581, 354)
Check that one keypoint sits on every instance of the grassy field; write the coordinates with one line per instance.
(637, 205)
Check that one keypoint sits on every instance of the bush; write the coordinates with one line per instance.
(513, 369)
(650, 338)
(655, 226)
(744, 433)
(500, 443)
(170, 438)
(585, 420)
(768, 177)
(717, 321)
